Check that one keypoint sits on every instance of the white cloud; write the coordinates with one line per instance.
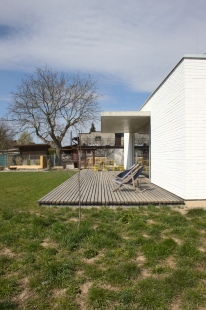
(133, 42)
(5, 98)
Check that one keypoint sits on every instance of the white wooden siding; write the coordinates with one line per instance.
(178, 131)
(167, 133)
(195, 128)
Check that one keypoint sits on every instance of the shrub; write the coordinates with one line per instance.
(52, 151)
(37, 162)
(9, 161)
(19, 161)
(48, 164)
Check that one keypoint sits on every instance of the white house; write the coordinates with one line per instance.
(175, 116)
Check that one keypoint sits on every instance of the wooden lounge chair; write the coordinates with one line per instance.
(129, 179)
(125, 173)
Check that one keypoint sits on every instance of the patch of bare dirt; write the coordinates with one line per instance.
(7, 252)
(82, 297)
(151, 222)
(140, 259)
(170, 261)
(109, 287)
(24, 281)
(178, 241)
(25, 294)
(145, 273)
(175, 305)
(74, 219)
(58, 293)
(79, 272)
(11, 275)
(145, 235)
(89, 261)
(95, 226)
(35, 213)
(48, 244)
(183, 209)
(125, 237)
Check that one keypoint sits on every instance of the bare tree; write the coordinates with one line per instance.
(6, 135)
(48, 103)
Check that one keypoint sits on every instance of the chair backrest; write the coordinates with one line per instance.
(134, 175)
(139, 171)
(125, 173)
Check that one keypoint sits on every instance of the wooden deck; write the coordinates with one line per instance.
(97, 189)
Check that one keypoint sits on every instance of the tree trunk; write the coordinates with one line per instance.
(58, 156)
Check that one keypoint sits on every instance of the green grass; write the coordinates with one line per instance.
(120, 259)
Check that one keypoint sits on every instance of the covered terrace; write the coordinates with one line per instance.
(129, 123)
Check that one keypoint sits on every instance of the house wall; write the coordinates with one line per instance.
(195, 128)
(167, 107)
(178, 131)
(90, 137)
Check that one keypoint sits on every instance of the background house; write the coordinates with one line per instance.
(33, 149)
(24, 154)
(104, 148)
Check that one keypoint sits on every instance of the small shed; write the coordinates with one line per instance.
(33, 149)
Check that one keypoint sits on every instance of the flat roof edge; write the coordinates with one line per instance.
(126, 113)
(195, 56)
(186, 56)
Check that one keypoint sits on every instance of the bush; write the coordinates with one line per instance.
(52, 151)
(48, 164)
(19, 161)
(10, 161)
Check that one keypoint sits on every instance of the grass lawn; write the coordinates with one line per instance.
(123, 259)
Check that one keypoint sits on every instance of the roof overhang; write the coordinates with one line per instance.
(125, 122)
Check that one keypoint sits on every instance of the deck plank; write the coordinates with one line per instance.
(97, 189)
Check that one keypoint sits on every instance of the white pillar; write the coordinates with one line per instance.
(128, 150)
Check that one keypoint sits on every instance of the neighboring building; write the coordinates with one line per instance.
(26, 152)
(11, 151)
(107, 148)
(100, 139)
(97, 147)
(175, 117)
(33, 149)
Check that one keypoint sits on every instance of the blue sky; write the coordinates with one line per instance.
(129, 46)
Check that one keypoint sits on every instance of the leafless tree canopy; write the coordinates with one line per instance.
(49, 103)
(6, 135)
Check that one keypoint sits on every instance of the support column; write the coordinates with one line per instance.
(128, 150)
(93, 157)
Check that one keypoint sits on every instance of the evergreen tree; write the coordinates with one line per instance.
(92, 129)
